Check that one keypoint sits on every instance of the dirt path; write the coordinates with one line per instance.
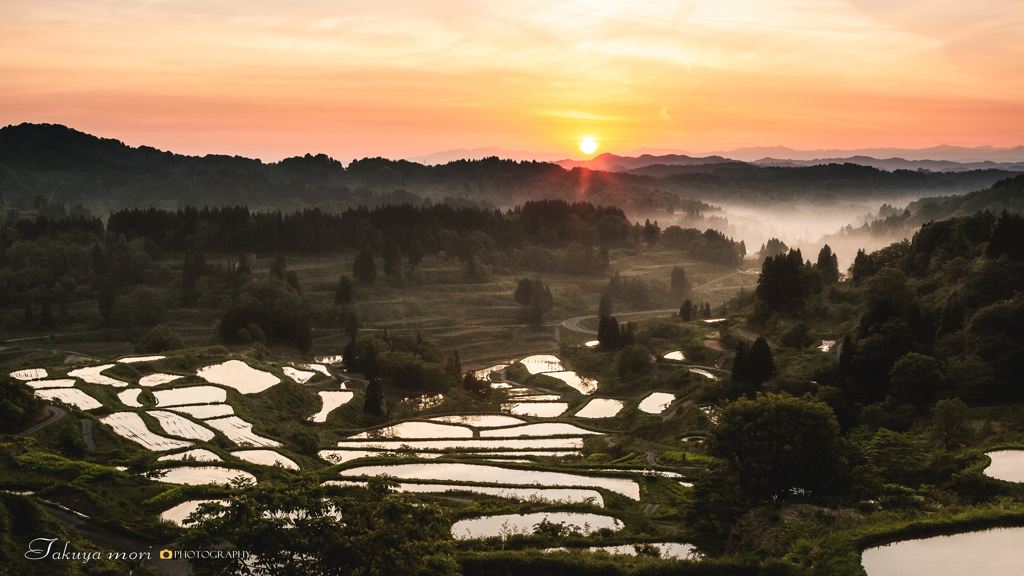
(87, 433)
(56, 413)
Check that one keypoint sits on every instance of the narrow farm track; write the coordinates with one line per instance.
(56, 413)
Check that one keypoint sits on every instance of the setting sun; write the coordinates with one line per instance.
(588, 144)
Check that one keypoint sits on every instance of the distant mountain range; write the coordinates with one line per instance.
(481, 153)
(944, 152)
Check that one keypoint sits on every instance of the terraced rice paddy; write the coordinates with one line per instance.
(199, 475)
(136, 359)
(538, 429)
(496, 475)
(1007, 465)
(130, 397)
(71, 396)
(676, 550)
(591, 343)
(704, 373)
(417, 430)
(190, 395)
(537, 409)
(330, 400)
(656, 403)
(299, 376)
(600, 408)
(317, 367)
(158, 379)
(240, 432)
(130, 425)
(59, 383)
(480, 420)
(179, 513)
(182, 427)
(92, 376)
(340, 456)
(998, 552)
(485, 373)
(29, 374)
(585, 386)
(678, 356)
(490, 444)
(542, 363)
(238, 375)
(826, 345)
(508, 524)
(556, 495)
(265, 458)
(206, 410)
(199, 455)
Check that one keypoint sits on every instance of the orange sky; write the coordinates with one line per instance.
(400, 79)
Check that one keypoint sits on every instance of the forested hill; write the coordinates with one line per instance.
(62, 165)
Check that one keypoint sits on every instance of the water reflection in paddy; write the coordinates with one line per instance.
(496, 475)
(197, 475)
(538, 409)
(417, 430)
(543, 429)
(600, 408)
(585, 386)
(480, 420)
(508, 524)
(468, 444)
(656, 403)
(1007, 465)
(238, 375)
(558, 495)
(998, 552)
(542, 363)
(677, 355)
(665, 550)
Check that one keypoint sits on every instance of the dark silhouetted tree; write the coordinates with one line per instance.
(680, 285)
(604, 307)
(343, 293)
(828, 265)
(392, 258)
(686, 311)
(373, 398)
(364, 269)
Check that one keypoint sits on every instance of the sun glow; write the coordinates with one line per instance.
(588, 144)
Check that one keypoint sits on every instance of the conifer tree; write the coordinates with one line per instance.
(343, 293)
(364, 269)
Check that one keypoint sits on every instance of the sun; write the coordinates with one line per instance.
(588, 144)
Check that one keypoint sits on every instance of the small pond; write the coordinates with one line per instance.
(704, 373)
(508, 524)
(330, 400)
(657, 402)
(677, 356)
(1007, 465)
(238, 375)
(998, 552)
(600, 408)
(480, 420)
(496, 475)
(538, 409)
(591, 343)
(199, 475)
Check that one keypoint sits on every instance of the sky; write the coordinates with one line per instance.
(398, 79)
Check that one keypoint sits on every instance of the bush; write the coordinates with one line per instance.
(159, 339)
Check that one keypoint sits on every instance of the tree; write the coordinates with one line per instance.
(762, 364)
(652, 232)
(416, 254)
(949, 423)
(916, 378)
(159, 339)
(774, 444)
(343, 293)
(828, 265)
(373, 398)
(608, 333)
(364, 269)
(46, 316)
(192, 268)
(452, 364)
(294, 527)
(686, 311)
(474, 386)
(524, 292)
(19, 406)
(632, 359)
(293, 280)
(279, 267)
